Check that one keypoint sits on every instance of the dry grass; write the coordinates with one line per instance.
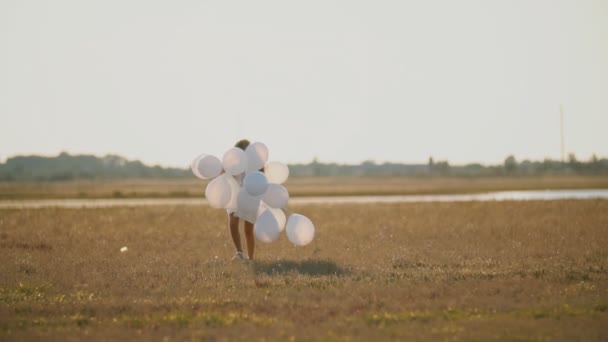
(345, 186)
(298, 186)
(494, 270)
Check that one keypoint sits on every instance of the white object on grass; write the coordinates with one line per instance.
(300, 230)
(267, 228)
(124, 249)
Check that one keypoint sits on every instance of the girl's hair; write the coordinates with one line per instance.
(242, 144)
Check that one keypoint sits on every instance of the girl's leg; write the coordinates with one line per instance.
(234, 232)
(250, 239)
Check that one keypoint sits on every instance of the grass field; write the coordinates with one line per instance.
(472, 271)
(298, 186)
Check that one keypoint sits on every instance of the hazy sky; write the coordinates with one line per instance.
(346, 81)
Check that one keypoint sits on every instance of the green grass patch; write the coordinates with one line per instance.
(387, 318)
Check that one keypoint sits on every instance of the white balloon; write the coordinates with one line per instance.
(209, 167)
(276, 196)
(279, 215)
(194, 166)
(300, 230)
(255, 183)
(234, 192)
(206, 166)
(218, 192)
(234, 161)
(257, 155)
(247, 206)
(267, 228)
(276, 172)
(262, 208)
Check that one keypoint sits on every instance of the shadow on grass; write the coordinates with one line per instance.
(307, 267)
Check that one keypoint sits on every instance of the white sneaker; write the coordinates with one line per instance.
(239, 256)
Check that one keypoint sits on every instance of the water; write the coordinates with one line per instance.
(541, 195)
(528, 195)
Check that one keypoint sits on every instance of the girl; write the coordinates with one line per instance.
(233, 220)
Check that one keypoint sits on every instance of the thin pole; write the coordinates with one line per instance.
(561, 117)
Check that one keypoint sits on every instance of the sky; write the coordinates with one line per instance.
(340, 81)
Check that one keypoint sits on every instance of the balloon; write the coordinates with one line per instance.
(276, 196)
(255, 183)
(279, 215)
(194, 166)
(300, 230)
(206, 166)
(209, 167)
(218, 192)
(247, 206)
(235, 161)
(262, 207)
(276, 172)
(257, 155)
(267, 228)
(234, 192)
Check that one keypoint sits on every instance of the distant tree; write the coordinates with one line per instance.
(442, 167)
(316, 167)
(595, 165)
(526, 167)
(510, 165)
(573, 163)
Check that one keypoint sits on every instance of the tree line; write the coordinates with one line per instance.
(73, 167)
(510, 167)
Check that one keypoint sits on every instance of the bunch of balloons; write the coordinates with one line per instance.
(244, 182)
